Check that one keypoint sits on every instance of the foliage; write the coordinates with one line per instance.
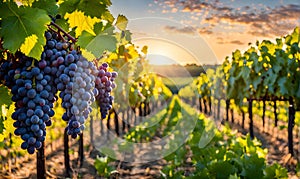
(103, 167)
(214, 153)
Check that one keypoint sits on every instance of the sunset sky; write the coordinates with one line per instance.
(204, 32)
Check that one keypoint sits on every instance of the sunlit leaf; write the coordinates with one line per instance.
(20, 21)
(121, 22)
(97, 44)
(93, 8)
(5, 96)
(81, 22)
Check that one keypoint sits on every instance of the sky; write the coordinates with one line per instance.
(204, 31)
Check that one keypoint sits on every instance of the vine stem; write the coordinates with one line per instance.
(63, 31)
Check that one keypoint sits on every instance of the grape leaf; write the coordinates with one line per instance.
(97, 44)
(283, 87)
(93, 8)
(122, 22)
(127, 35)
(5, 96)
(18, 23)
(293, 38)
(48, 5)
(108, 16)
(81, 22)
(252, 166)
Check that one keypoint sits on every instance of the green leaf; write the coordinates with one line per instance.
(127, 35)
(21, 22)
(276, 171)
(222, 169)
(97, 44)
(283, 87)
(108, 16)
(256, 81)
(122, 22)
(94, 8)
(48, 5)
(5, 96)
(293, 38)
(253, 166)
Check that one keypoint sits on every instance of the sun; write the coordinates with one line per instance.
(165, 52)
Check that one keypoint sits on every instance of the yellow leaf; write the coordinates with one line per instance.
(121, 22)
(82, 22)
(89, 56)
(8, 123)
(133, 52)
(28, 44)
(1, 137)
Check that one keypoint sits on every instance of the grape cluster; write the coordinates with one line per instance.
(82, 96)
(104, 84)
(76, 83)
(34, 85)
(33, 95)
(75, 78)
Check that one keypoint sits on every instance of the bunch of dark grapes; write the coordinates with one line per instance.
(82, 95)
(33, 94)
(75, 78)
(105, 84)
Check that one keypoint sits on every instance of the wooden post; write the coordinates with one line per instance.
(200, 104)
(128, 118)
(291, 124)
(275, 113)
(140, 110)
(116, 121)
(40, 163)
(68, 169)
(205, 106)
(264, 113)
(92, 130)
(243, 118)
(251, 119)
(227, 109)
(81, 151)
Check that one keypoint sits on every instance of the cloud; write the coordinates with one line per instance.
(237, 42)
(205, 31)
(258, 20)
(184, 30)
(221, 41)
